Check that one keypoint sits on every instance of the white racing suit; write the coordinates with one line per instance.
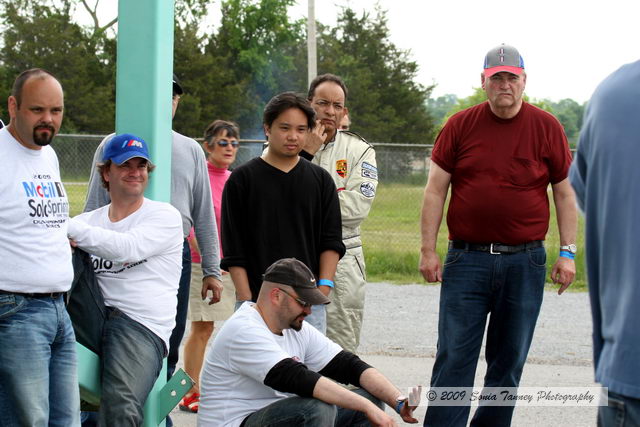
(351, 161)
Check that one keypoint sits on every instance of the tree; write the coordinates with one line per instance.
(385, 102)
(88, 79)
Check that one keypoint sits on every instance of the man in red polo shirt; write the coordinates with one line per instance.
(499, 158)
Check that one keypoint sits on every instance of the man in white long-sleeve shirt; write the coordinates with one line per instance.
(136, 246)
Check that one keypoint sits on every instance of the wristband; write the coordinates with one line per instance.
(325, 282)
(399, 404)
(567, 254)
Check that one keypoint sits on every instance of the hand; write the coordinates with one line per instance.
(211, 283)
(430, 266)
(406, 412)
(314, 139)
(377, 417)
(563, 273)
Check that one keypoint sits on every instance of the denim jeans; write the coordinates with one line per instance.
(309, 412)
(130, 364)
(318, 318)
(38, 374)
(510, 288)
(621, 411)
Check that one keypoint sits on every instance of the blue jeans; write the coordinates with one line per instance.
(318, 318)
(622, 411)
(130, 364)
(510, 288)
(309, 412)
(38, 374)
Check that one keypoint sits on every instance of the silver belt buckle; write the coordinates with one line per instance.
(491, 251)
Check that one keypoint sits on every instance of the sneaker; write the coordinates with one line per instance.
(190, 403)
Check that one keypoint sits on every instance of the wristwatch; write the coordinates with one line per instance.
(400, 401)
(572, 248)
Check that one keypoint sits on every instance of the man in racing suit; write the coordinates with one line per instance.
(351, 161)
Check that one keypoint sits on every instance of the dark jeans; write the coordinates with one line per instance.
(309, 412)
(621, 411)
(181, 313)
(509, 287)
(181, 316)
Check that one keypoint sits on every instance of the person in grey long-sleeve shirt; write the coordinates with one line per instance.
(191, 195)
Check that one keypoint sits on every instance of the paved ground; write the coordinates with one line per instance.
(400, 334)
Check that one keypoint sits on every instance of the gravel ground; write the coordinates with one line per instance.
(402, 320)
(400, 333)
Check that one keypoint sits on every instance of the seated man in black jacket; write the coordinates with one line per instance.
(267, 366)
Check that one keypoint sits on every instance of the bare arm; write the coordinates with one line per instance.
(328, 265)
(379, 386)
(435, 194)
(241, 283)
(564, 270)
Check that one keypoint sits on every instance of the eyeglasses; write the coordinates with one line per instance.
(322, 103)
(224, 143)
(298, 300)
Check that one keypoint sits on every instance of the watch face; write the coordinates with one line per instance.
(573, 248)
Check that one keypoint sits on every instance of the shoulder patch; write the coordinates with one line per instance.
(369, 171)
(367, 189)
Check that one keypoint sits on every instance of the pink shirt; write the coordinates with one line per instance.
(217, 178)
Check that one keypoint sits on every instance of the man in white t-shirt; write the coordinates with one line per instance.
(136, 246)
(38, 380)
(267, 366)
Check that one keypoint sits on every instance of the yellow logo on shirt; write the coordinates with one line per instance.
(341, 167)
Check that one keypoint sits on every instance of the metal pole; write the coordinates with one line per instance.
(312, 59)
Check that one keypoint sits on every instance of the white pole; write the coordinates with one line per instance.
(312, 59)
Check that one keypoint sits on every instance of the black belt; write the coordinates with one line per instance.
(34, 295)
(494, 248)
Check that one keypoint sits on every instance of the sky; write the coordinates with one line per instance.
(568, 46)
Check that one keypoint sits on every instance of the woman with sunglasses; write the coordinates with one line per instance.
(221, 144)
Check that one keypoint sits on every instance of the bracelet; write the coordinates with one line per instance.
(325, 282)
(399, 406)
(567, 254)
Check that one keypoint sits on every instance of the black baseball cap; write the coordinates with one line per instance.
(177, 87)
(294, 273)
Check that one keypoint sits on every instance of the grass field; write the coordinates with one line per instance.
(391, 237)
(391, 234)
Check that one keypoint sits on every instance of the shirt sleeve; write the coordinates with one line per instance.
(160, 232)
(320, 350)
(233, 219)
(97, 195)
(360, 189)
(560, 155)
(204, 219)
(444, 153)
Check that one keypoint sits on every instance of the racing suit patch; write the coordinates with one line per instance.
(341, 167)
(369, 171)
(367, 189)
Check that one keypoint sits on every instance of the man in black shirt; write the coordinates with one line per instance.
(281, 205)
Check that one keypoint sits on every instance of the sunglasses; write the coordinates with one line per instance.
(298, 300)
(224, 143)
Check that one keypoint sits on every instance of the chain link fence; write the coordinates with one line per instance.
(393, 221)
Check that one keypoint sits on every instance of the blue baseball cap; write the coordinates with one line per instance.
(123, 147)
